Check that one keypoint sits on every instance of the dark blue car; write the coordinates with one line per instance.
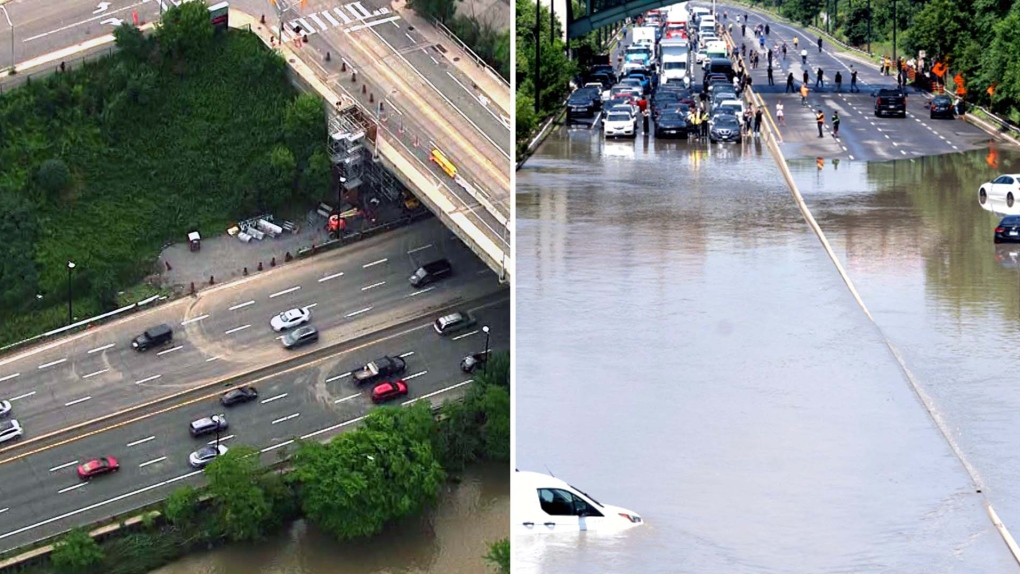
(1008, 230)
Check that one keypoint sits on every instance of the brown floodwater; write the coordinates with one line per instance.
(452, 538)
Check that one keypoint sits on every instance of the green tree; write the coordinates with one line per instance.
(936, 29)
(1003, 68)
(180, 507)
(304, 127)
(496, 371)
(274, 178)
(19, 280)
(495, 405)
(855, 25)
(499, 555)
(185, 32)
(441, 10)
(317, 177)
(240, 501)
(132, 42)
(361, 480)
(76, 552)
(54, 178)
(555, 70)
(460, 440)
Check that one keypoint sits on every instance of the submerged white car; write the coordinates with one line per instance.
(544, 504)
(290, 319)
(1005, 187)
(620, 124)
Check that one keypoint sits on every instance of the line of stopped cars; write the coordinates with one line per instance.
(383, 374)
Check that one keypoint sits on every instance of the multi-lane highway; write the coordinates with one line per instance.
(360, 302)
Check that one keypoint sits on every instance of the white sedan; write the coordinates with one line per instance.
(5, 408)
(1005, 187)
(290, 319)
(620, 124)
(203, 456)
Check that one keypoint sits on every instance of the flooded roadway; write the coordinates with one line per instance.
(686, 349)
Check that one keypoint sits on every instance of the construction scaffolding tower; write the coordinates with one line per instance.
(349, 133)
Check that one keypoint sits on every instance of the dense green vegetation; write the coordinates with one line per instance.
(390, 468)
(179, 130)
(555, 70)
(491, 44)
(978, 39)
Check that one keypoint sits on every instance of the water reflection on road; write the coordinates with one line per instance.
(687, 350)
(453, 538)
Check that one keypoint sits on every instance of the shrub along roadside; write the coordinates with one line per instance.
(178, 130)
(390, 468)
(491, 45)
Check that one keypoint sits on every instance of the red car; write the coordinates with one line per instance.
(98, 466)
(388, 391)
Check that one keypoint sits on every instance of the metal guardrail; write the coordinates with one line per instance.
(477, 59)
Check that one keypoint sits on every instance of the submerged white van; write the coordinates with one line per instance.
(543, 504)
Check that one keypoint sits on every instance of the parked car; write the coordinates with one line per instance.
(98, 466)
(890, 101)
(238, 396)
(725, 128)
(431, 272)
(1006, 186)
(290, 319)
(208, 425)
(153, 337)
(453, 323)
(5, 408)
(10, 430)
(388, 391)
(203, 456)
(471, 362)
(379, 369)
(942, 107)
(300, 337)
(1008, 230)
(671, 124)
(620, 124)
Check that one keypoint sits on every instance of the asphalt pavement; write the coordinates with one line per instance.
(862, 136)
(41, 494)
(225, 331)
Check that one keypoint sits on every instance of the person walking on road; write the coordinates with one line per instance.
(766, 29)
(803, 94)
(820, 118)
(835, 124)
(771, 81)
(784, 50)
(819, 78)
(779, 113)
(769, 56)
(796, 41)
(807, 78)
(743, 30)
(696, 123)
(645, 113)
(789, 84)
(757, 122)
(746, 127)
(819, 44)
(853, 80)
(704, 123)
(839, 81)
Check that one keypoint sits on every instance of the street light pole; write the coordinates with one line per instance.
(895, 61)
(70, 267)
(485, 365)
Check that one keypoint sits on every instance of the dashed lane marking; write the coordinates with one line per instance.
(367, 265)
(141, 441)
(241, 305)
(76, 401)
(147, 379)
(90, 375)
(56, 468)
(333, 276)
(70, 488)
(171, 350)
(44, 365)
(271, 399)
(97, 349)
(236, 329)
(153, 461)
(284, 292)
(195, 320)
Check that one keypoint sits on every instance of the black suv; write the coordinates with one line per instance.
(584, 103)
(942, 107)
(379, 369)
(889, 101)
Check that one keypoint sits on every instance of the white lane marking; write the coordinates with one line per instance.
(904, 152)
(56, 468)
(76, 401)
(98, 505)
(196, 319)
(306, 28)
(851, 158)
(287, 418)
(70, 488)
(318, 21)
(331, 19)
(24, 396)
(434, 60)
(276, 446)
(3, 510)
(241, 305)
(236, 329)
(271, 399)
(406, 355)
(391, 19)
(345, 17)
(459, 337)
(373, 285)
(171, 350)
(328, 429)
(367, 265)
(409, 36)
(340, 376)
(95, 373)
(43, 366)
(358, 10)
(417, 249)
(153, 461)
(307, 307)
(346, 399)
(365, 310)
(414, 376)
(140, 441)
(426, 290)
(103, 348)
(284, 292)
(9, 377)
(228, 437)
(333, 276)
(211, 359)
(450, 388)
(147, 379)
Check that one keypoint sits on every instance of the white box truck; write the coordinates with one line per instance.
(675, 58)
(644, 36)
